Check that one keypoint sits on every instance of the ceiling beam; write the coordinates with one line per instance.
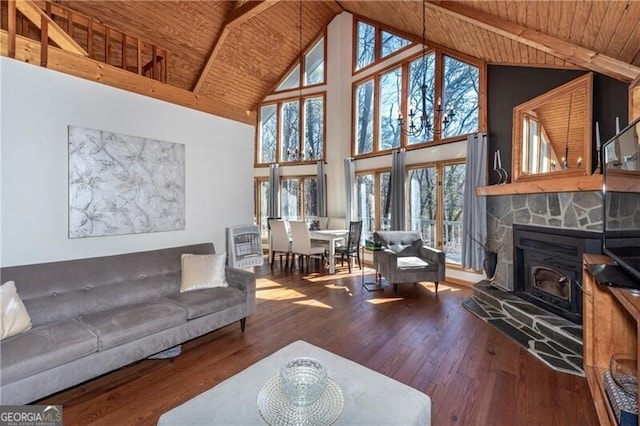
(236, 17)
(57, 34)
(570, 52)
(28, 50)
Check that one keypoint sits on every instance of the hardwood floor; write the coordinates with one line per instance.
(473, 374)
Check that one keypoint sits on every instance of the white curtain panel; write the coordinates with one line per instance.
(474, 222)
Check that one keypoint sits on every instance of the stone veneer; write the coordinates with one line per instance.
(564, 210)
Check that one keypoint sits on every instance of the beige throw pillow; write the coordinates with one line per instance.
(203, 271)
(14, 317)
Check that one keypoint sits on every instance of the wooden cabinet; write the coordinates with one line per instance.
(611, 323)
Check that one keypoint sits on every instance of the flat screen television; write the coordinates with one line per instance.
(621, 240)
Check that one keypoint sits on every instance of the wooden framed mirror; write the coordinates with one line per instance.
(552, 133)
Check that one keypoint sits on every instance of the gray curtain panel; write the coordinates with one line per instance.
(274, 188)
(396, 190)
(350, 181)
(474, 221)
(321, 193)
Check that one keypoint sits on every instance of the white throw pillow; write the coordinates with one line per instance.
(14, 317)
(203, 271)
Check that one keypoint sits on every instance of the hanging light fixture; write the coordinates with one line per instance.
(409, 127)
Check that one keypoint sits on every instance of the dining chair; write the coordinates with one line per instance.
(352, 248)
(280, 242)
(301, 244)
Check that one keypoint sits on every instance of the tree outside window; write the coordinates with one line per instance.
(365, 44)
(423, 202)
(310, 197)
(290, 199)
(417, 76)
(436, 194)
(453, 199)
(389, 108)
(268, 133)
(313, 128)
(462, 92)
(289, 135)
(364, 117)
(365, 204)
(391, 43)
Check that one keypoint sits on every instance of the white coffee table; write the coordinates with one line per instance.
(370, 398)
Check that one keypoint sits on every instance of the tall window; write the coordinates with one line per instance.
(389, 107)
(435, 200)
(451, 85)
(372, 201)
(293, 130)
(261, 205)
(281, 130)
(422, 198)
(298, 199)
(372, 44)
(421, 71)
(365, 44)
(364, 117)
(313, 69)
(268, 133)
(289, 126)
(461, 90)
(313, 145)
(453, 198)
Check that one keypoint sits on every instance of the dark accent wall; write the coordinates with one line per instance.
(511, 86)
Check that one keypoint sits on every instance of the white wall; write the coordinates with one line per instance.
(39, 104)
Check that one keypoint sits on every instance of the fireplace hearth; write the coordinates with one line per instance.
(548, 267)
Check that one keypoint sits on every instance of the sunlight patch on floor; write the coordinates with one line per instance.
(313, 302)
(441, 287)
(385, 300)
(280, 295)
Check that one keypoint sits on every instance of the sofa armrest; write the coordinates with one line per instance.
(245, 281)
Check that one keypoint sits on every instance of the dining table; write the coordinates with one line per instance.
(332, 236)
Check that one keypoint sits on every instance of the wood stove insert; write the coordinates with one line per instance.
(548, 267)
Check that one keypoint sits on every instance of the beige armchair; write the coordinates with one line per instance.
(404, 259)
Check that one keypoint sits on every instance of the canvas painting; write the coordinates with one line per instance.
(122, 184)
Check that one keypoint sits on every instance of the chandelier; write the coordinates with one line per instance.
(416, 125)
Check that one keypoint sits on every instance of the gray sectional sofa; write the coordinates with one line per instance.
(91, 316)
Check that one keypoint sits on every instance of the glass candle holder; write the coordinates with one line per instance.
(303, 381)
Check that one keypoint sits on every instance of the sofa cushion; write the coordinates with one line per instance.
(127, 323)
(203, 302)
(14, 317)
(45, 347)
(411, 262)
(203, 271)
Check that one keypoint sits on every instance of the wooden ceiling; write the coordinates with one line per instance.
(237, 51)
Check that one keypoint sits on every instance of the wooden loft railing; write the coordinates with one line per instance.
(80, 34)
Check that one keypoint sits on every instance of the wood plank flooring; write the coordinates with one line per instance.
(474, 374)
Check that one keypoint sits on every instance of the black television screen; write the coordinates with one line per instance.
(622, 199)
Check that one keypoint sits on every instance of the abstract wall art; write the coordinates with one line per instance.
(122, 184)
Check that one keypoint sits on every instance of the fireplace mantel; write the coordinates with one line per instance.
(567, 184)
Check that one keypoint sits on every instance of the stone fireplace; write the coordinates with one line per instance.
(548, 267)
(563, 211)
